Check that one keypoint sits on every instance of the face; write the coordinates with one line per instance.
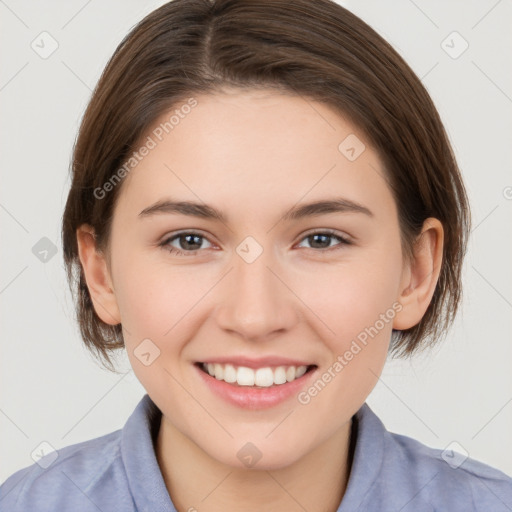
(309, 288)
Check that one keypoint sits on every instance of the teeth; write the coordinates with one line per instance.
(280, 375)
(290, 373)
(230, 373)
(244, 376)
(301, 370)
(219, 371)
(262, 377)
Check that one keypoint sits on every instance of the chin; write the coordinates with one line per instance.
(254, 457)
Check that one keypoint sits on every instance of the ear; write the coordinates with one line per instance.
(419, 277)
(97, 276)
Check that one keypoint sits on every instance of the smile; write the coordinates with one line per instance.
(260, 377)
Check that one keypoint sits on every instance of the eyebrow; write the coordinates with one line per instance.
(316, 208)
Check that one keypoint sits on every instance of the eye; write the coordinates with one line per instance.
(322, 239)
(188, 241)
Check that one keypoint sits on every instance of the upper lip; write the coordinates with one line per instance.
(260, 362)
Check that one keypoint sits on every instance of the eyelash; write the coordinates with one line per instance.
(179, 252)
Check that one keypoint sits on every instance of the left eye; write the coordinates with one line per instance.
(320, 237)
(189, 242)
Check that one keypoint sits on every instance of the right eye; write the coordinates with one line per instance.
(185, 239)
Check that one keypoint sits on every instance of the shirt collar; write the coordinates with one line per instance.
(148, 487)
(138, 452)
(367, 460)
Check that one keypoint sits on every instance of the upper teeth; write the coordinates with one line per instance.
(263, 377)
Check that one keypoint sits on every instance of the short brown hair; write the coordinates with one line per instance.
(315, 49)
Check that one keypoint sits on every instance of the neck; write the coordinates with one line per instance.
(196, 481)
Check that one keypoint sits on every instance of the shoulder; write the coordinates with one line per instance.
(447, 479)
(68, 477)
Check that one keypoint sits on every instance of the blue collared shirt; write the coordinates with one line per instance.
(119, 472)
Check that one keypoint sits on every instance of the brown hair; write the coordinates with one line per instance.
(316, 49)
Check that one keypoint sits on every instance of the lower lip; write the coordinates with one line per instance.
(249, 397)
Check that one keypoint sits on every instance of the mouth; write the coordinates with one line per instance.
(255, 378)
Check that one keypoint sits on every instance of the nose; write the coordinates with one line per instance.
(257, 302)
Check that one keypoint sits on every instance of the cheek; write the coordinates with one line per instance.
(360, 313)
(153, 296)
(357, 304)
(351, 297)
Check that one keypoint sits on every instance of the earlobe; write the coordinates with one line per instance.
(97, 276)
(420, 278)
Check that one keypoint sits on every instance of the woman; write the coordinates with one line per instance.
(264, 204)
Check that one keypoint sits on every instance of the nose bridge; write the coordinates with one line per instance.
(256, 303)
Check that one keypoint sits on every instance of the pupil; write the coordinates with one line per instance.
(316, 236)
(187, 244)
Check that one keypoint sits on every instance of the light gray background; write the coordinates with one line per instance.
(52, 390)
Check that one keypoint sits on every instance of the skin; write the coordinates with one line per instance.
(254, 154)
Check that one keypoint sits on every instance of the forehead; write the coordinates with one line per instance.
(243, 148)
